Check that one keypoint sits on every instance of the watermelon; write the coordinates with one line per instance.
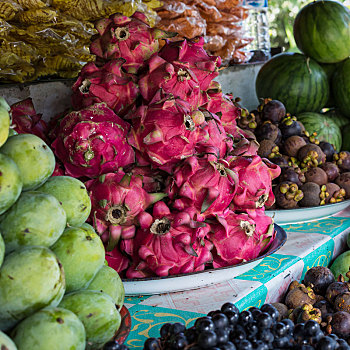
(337, 117)
(330, 68)
(346, 138)
(322, 31)
(295, 80)
(324, 126)
(341, 87)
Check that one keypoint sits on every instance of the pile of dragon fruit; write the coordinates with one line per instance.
(175, 185)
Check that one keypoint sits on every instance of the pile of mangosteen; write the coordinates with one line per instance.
(320, 298)
(312, 172)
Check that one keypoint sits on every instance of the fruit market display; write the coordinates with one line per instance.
(317, 78)
(175, 186)
(255, 328)
(312, 172)
(45, 39)
(219, 22)
(55, 289)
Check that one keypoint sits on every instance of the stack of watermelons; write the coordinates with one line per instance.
(317, 78)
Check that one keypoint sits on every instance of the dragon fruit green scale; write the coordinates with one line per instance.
(105, 84)
(93, 141)
(128, 37)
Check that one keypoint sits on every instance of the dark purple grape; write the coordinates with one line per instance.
(238, 334)
(178, 341)
(220, 320)
(176, 328)
(207, 339)
(204, 324)
(212, 313)
(264, 320)
(244, 345)
(191, 334)
(327, 343)
(279, 329)
(152, 344)
(223, 335)
(266, 336)
(111, 345)
(252, 329)
(164, 330)
(311, 328)
(260, 345)
(306, 347)
(271, 310)
(299, 332)
(280, 342)
(228, 346)
(229, 307)
(232, 317)
(289, 325)
(245, 317)
(255, 313)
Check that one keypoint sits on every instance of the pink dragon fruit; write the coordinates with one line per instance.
(167, 246)
(239, 237)
(254, 189)
(59, 169)
(105, 84)
(166, 131)
(25, 120)
(204, 185)
(192, 53)
(172, 78)
(117, 260)
(213, 140)
(117, 199)
(128, 37)
(93, 141)
(222, 105)
(153, 180)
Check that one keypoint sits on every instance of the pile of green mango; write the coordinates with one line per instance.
(56, 292)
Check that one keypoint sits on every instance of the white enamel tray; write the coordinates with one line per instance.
(299, 215)
(175, 283)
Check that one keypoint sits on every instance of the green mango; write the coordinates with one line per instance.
(107, 280)
(341, 265)
(35, 219)
(72, 194)
(4, 125)
(10, 182)
(33, 157)
(81, 252)
(2, 251)
(30, 278)
(98, 313)
(50, 328)
(6, 342)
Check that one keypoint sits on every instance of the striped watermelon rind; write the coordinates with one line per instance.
(338, 118)
(346, 138)
(322, 31)
(341, 87)
(325, 127)
(298, 82)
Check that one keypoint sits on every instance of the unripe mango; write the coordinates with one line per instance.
(72, 194)
(10, 182)
(50, 328)
(107, 280)
(4, 121)
(34, 158)
(35, 219)
(30, 278)
(81, 253)
(98, 313)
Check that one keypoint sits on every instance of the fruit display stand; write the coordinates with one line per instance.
(309, 244)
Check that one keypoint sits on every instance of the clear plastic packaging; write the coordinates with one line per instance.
(219, 21)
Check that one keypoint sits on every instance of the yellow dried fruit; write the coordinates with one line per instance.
(9, 9)
(36, 16)
(64, 5)
(62, 63)
(23, 50)
(31, 4)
